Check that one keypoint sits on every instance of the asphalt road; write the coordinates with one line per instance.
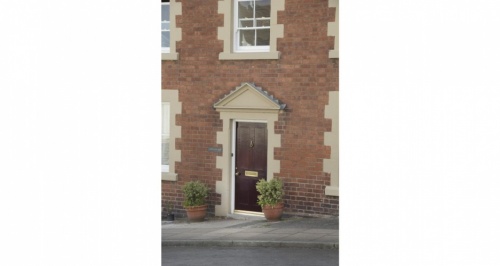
(248, 256)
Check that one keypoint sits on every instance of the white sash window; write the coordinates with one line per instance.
(165, 26)
(252, 25)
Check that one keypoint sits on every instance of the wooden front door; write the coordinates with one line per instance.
(251, 163)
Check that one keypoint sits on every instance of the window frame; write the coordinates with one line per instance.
(175, 33)
(167, 49)
(237, 48)
(174, 155)
(226, 33)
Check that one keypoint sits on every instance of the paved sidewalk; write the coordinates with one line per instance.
(291, 231)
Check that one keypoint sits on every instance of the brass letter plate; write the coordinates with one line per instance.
(252, 173)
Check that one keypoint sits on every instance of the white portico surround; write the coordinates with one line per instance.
(247, 102)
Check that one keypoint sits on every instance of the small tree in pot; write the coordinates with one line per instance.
(271, 198)
(195, 195)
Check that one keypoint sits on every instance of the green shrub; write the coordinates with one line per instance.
(271, 192)
(195, 193)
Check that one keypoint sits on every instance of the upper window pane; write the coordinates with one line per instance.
(263, 9)
(245, 10)
(165, 12)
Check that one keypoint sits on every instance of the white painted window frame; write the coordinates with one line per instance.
(226, 33)
(175, 33)
(172, 97)
(236, 40)
(166, 49)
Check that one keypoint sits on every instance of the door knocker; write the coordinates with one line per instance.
(251, 144)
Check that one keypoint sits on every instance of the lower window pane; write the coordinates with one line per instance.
(165, 39)
(247, 38)
(263, 37)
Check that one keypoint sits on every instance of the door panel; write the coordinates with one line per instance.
(251, 163)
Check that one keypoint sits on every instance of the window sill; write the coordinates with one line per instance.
(333, 54)
(167, 176)
(169, 56)
(331, 191)
(249, 56)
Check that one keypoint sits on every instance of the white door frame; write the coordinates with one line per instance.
(233, 152)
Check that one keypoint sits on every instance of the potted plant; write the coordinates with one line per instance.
(195, 195)
(271, 198)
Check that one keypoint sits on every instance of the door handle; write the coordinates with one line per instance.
(237, 173)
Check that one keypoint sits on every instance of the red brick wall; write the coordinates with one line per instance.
(301, 78)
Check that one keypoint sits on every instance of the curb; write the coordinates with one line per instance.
(247, 243)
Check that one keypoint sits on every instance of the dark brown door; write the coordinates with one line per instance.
(251, 163)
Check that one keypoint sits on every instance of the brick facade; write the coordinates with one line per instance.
(302, 78)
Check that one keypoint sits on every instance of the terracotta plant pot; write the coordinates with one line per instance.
(273, 212)
(196, 213)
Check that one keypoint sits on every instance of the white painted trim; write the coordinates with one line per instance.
(233, 164)
(249, 213)
(250, 121)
